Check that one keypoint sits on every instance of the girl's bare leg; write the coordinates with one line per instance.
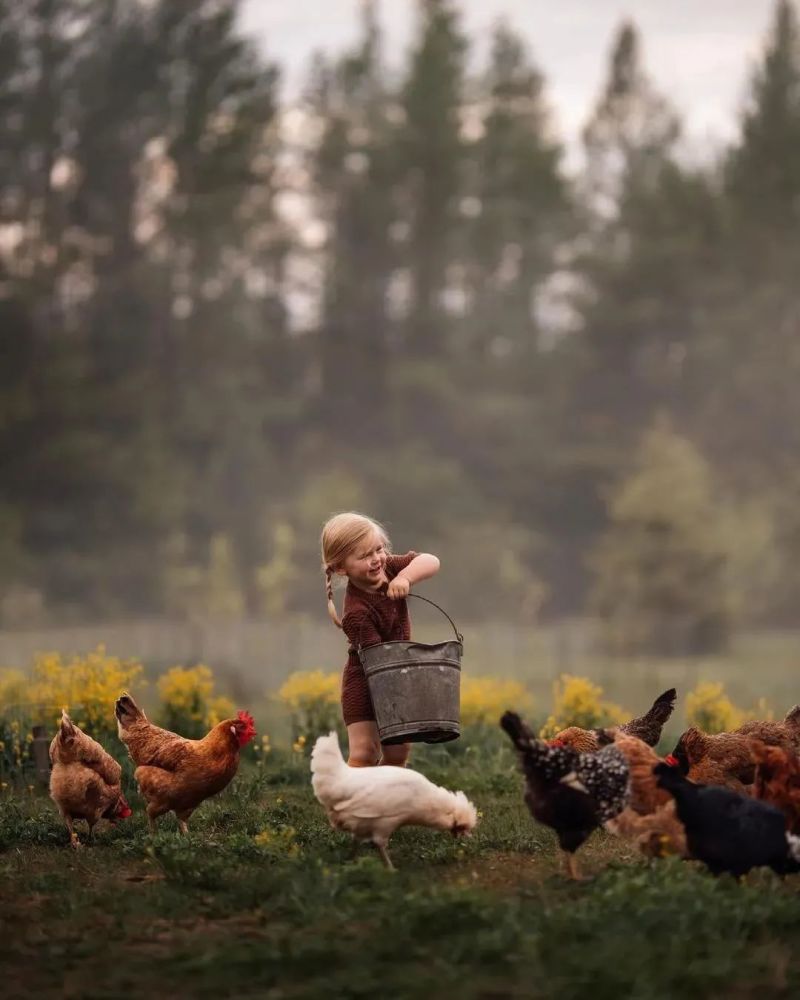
(365, 747)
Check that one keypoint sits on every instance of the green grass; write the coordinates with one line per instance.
(302, 913)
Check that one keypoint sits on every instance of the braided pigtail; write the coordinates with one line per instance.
(329, 591)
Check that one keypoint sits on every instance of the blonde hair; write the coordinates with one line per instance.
(341, 536)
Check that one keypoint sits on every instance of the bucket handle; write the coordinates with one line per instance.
(427, 600)
(419, 597)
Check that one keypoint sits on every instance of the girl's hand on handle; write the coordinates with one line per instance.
(398, 588)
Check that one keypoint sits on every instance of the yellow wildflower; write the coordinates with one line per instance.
(312, 698)
(91, 683)
(484, 699)
(710, 709)
(188, 702)
(579, 702)
(306, 686)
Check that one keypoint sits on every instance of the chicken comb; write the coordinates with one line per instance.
(247, 718)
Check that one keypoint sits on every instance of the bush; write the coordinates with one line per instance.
(709, 709)
(579, 702)
(484, 699)
(14, 746)
(189, 705)
(312, 698)
(86, 686)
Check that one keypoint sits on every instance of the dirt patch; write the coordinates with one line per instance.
(502, 872)
(508, 871)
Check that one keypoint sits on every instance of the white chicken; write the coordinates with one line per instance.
(373, 802)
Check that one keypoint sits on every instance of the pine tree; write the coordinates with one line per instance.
(517, 210)
(354, 179)
(656, 226)
(431, 152)
(763, 172)
(748, 415)
(227, 353)
(631, 130)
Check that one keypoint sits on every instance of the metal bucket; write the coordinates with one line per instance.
(416, 687)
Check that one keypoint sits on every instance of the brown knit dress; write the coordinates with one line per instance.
(370, 616)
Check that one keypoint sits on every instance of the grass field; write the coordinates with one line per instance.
(263, 899)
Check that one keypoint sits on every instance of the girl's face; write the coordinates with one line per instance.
(365, 565)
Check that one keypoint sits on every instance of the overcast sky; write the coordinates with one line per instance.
(700, 52)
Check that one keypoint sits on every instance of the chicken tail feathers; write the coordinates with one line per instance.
(648, 727)
(466, 815)
(793, 717)
(518, 732)
(327, 754)
(68, 730)
(127, 711)
(327, 765)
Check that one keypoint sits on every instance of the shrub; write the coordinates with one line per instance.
(710, 709)
(189, 705)
(484, 699)
(579, 702)
(12, 688)
(312, 698)
(86, 686)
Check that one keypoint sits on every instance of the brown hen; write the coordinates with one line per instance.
(777, 781)
(650, 820)
(726, 758)
(85, 780)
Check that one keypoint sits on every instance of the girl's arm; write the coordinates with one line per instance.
(421, 567)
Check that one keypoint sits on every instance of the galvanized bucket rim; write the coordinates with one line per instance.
(413, 642)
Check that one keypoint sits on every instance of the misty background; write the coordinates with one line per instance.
(243, 287)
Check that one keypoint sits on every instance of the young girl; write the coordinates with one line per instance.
(375, 610)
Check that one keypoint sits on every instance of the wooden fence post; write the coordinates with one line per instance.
(41, 754)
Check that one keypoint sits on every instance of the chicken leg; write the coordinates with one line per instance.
(571, 866)
(385, 855)
(73, 837)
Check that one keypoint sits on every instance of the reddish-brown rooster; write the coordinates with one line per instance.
(175, 773)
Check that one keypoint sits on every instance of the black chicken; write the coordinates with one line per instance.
(569, 791)
(727, 831)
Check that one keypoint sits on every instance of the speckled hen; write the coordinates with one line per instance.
(571, 792)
